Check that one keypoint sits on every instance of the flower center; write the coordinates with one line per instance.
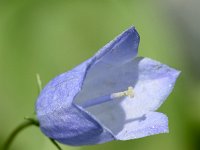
(109, 97)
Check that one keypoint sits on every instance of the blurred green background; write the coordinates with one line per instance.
(51, 37)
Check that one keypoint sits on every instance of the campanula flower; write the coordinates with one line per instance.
(111, 96)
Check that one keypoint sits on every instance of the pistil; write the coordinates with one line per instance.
(109, 97)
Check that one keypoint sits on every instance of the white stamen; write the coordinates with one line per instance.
(107, 98)
(128, 93)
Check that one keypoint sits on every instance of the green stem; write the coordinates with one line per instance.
(27, 123)
(22, 126)
(56, 144)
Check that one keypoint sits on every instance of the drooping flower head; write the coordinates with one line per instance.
(111, 96)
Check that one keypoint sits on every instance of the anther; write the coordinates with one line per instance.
(128, 93)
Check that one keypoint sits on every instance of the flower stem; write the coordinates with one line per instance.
(56, 144)
(28, 122)
(22, 126)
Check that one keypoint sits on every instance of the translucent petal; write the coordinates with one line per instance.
(149, 124)
(152, 82)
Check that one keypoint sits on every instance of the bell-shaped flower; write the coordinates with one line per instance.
(111, 96)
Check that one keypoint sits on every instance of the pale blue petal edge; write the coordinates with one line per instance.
(153, 83)
(149, 124)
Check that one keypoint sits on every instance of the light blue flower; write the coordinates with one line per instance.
(111, 96)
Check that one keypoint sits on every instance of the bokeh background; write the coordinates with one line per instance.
(51, 37)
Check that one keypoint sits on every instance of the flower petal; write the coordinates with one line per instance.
(146, 125)
(155, 82)
(63, 121)
(67, 123)
(152, 82)
(122, 49)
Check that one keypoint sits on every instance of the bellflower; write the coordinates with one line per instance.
(111, 96)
